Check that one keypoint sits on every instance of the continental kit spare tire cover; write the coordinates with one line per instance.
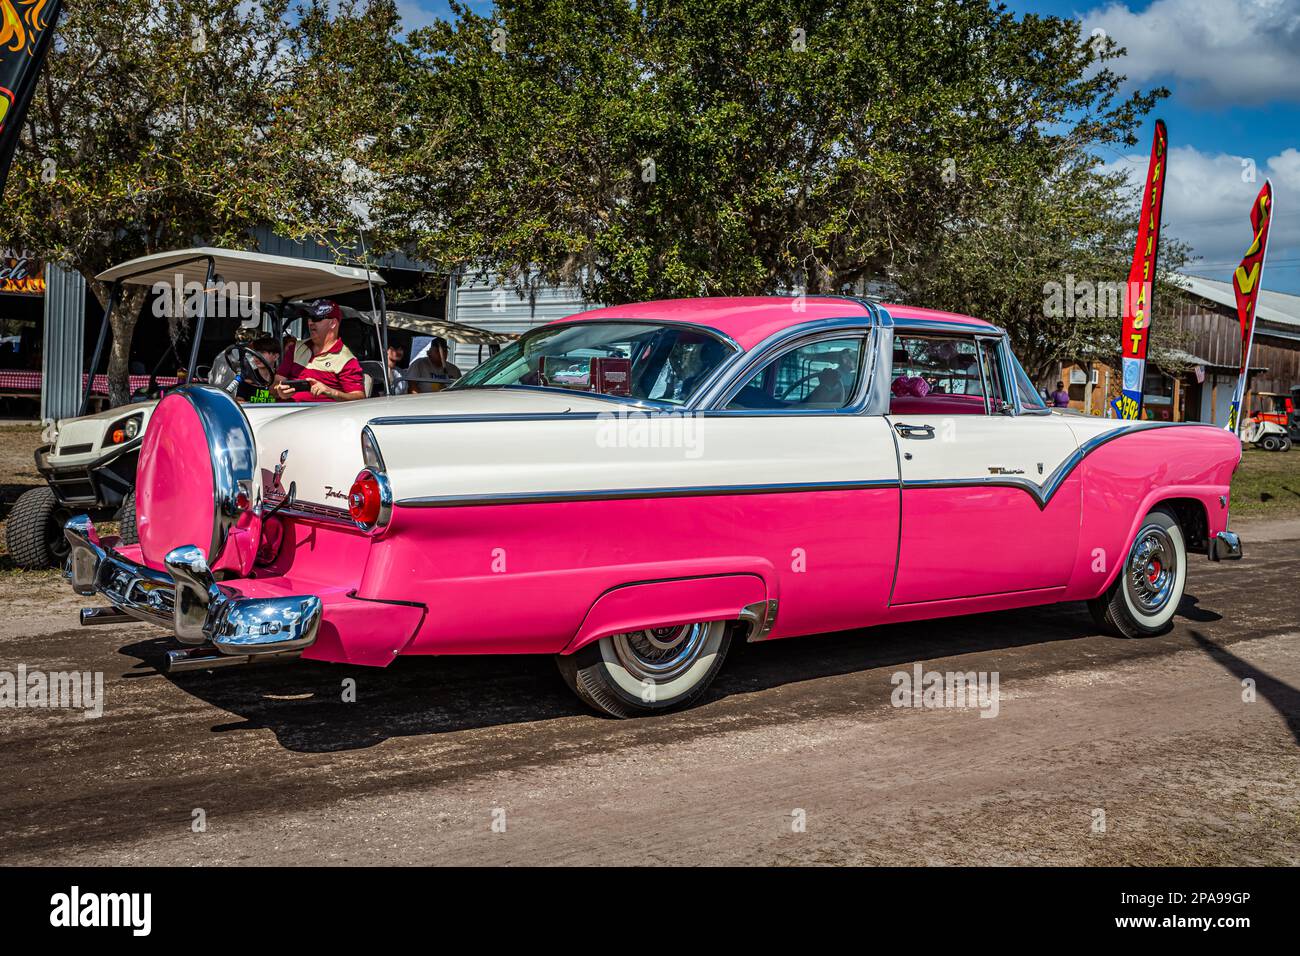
(196, 461)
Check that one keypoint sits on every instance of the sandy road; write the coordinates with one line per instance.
(1153, 734)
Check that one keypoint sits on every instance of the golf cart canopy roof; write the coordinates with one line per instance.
(279, 277)
(428, 325)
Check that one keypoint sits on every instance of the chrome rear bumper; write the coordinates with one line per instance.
(189, 602)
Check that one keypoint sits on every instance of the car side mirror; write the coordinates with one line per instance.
(1002, 407)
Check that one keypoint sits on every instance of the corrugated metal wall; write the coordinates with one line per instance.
(486, 303)
(62, 342)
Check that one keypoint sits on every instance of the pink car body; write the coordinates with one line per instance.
(525, 521)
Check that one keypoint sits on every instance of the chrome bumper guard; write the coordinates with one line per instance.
(1225, 546)
(189, 602)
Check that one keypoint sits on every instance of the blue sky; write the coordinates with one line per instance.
(1233, 71)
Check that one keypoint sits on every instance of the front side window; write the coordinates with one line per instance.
(1030, 398)
(638, 360)
(821, 375)
(937, 374)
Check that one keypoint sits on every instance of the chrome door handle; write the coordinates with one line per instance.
(914, 431)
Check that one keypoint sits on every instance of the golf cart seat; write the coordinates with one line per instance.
(374, 372)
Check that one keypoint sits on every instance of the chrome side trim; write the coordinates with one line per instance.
(761, 617)
(484, 417)
(1043, 494)
(689, 491)
(1225, 546)
(307, 511)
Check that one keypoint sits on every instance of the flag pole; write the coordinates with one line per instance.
(1261, 220)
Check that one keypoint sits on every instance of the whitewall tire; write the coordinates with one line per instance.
(648, 671)
(1145, 595)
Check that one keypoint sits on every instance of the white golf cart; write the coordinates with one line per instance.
(89, 462)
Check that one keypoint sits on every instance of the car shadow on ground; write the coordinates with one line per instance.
(1280, 695)
(303, 702)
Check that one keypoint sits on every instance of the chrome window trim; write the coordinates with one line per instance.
(866, 361)
(721, 336)
(612, 494)
(733, 374)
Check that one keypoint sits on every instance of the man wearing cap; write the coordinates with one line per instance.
(321, 359)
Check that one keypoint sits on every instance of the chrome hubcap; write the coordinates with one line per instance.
(660, 654)
(1152, 570)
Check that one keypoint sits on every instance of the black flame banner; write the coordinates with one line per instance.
(26, 29)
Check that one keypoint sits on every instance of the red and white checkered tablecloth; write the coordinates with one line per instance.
(27, 380)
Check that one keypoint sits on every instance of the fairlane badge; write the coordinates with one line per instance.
(332, 492)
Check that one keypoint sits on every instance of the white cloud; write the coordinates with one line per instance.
(1207, 204)
(1227, 52)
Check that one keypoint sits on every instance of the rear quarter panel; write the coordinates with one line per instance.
(1126, 477)
(522, 576)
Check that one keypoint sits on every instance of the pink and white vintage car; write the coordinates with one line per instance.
(632, 488)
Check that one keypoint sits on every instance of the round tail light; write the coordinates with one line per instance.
(365, 499)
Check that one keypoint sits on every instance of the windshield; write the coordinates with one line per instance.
(637, 360)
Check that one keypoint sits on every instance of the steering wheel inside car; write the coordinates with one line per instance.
(241, 372)
(785, 395)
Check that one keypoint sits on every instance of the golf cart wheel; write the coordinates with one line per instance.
(1144, 596)
(34, 532)
(1271, 443)
(126, 519)
(649, 671)
(1286, 443)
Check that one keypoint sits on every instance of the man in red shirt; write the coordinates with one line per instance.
(323, 360)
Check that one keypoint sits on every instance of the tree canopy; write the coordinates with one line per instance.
(641, 150)
(683, 147)
(159, 125)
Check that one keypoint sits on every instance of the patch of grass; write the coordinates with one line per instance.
(1267, 484)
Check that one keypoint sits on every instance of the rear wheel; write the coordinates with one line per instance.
(1142, 600)
(650, 671)
(126, 519)
(34, 531)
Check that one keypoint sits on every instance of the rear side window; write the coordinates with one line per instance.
(821, 375)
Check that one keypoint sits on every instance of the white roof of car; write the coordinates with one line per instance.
(278, 277)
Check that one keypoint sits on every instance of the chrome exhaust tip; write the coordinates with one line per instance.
(208, 658)
(104, 615)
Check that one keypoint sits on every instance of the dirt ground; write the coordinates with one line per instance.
(1102, 751)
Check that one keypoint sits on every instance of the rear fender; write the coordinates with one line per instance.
(647, 604)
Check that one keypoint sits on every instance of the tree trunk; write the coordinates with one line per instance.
(122, 328)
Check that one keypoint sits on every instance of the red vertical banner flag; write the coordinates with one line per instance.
(1245, 285)
(1139, 293)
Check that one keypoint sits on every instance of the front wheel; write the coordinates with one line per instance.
(34, 531)
(650, 671)
(1142, 600)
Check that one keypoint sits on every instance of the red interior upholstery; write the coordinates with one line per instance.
(937, 405)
